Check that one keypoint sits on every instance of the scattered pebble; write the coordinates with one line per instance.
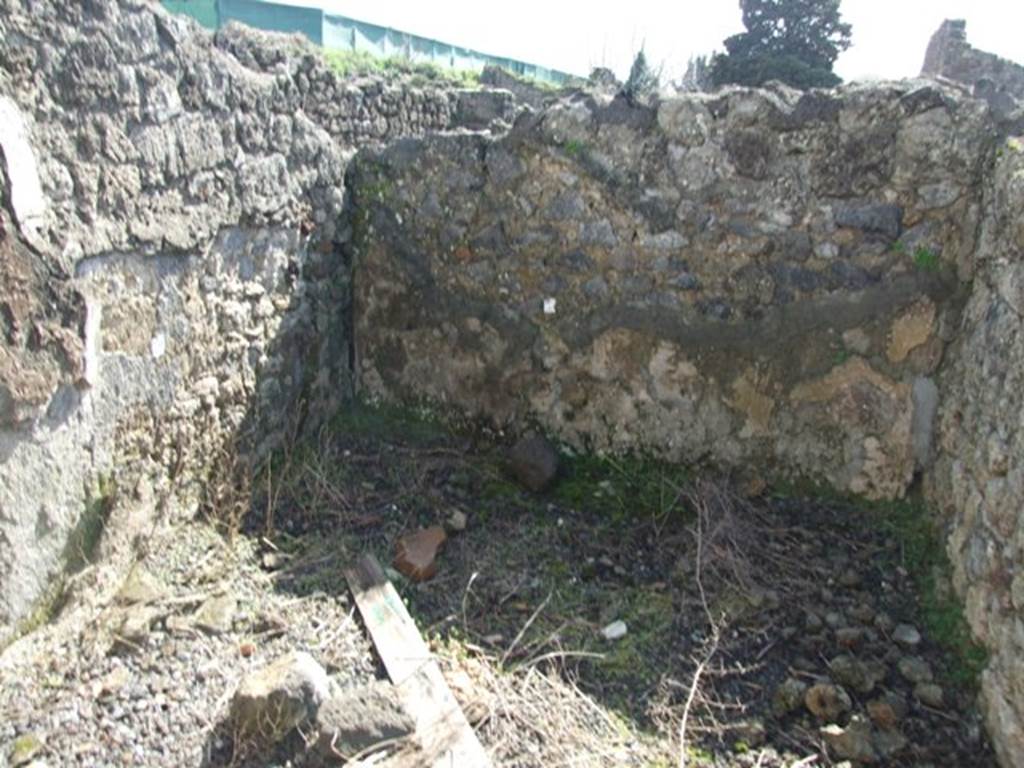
(907, 636)
(854, 741)
(416, 553)
(789, 696)
(217, 614)
(930, 695)
(457, 521)
(915, 669)
(615, 631)
(826, 701)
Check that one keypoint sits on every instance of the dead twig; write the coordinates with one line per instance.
(712, 645)
(526, 626)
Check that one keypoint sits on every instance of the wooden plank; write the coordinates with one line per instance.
(444, 733)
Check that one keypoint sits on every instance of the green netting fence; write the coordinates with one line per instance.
(337, 32)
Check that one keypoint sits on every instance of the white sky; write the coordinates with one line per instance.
(889, 36)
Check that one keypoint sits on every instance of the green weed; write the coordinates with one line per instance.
(574, 148)
(840, 357)
(924, 557)
(363, 63)
(78, 553)
(923, 553)
(415, 424)
(622, 487)
(81, 546)
(926, 259)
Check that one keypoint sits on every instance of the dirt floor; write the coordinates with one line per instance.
(763, 628)
(763, 598)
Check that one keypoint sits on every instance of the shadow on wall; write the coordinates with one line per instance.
(754, 278)
(162, 286)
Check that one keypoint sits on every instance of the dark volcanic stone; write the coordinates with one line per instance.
(880, 219)
(533, 461)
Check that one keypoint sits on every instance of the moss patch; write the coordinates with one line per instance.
(924, 556)
(622, 487)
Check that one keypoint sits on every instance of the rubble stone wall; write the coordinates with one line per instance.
(978, 479)
(995, 79)
(829, 285)
(753, 279)
(826, 284)
(168, 259)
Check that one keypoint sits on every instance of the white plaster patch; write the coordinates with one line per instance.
(27, 197)
(93, 318)
(158, 345)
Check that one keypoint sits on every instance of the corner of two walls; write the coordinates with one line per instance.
(977, 480)
(830, 285)
(171, 262)
(758, 279)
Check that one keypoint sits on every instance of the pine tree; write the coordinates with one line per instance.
(643, 82)
(795, 41)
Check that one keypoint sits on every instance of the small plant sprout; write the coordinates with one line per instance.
(926, 259)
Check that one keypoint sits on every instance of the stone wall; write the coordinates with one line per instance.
(168, 260)
(362, 110)
(978, 480)
(754, 279)
(997, 80)
(789, 283)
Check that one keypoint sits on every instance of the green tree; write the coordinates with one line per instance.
(643, 82)
(795, 41)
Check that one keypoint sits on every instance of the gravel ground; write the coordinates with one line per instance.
(796, 615)
(159, 702)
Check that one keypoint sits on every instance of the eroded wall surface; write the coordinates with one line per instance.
(792, 283)
(828, 285)
(978, 480)
(754, 279)
(999, 81)
(168, 261)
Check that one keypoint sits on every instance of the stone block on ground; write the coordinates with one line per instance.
(141, 587)
(826, 701)
(416, 553)
(272, 701)
(533, 461)
(216, 615)
(853, 742)
(355, 720)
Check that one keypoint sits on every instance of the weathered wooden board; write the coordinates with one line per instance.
(445, 734)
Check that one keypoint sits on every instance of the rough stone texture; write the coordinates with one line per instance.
(999, 81)
(978, 478)
(533, 461)
(732, 278)
(271, 701)
(169, 262)
(525, 91)
(355, 720)
(741, 278)
(355, 112)
(416, 553)
(148, 304)
(852, 742)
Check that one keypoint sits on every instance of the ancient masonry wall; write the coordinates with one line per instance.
(978, 478)
(825, 284)
(768, 281)
(752, 279)
(168, 260)
(999, 81)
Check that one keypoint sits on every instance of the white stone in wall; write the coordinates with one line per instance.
(27, 199)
